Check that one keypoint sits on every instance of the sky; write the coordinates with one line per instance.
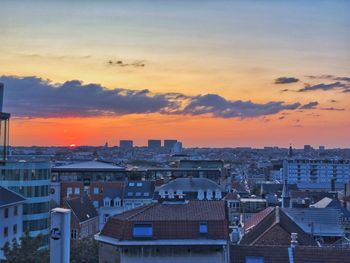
(215, 73)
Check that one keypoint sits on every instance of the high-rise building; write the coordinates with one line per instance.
(169, 144)
(308, 148)
(154, 144)
(126, 144)
(316, 171)
(28, 177)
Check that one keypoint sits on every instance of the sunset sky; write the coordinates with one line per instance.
(208, 73)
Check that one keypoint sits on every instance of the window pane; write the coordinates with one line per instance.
(143, 230)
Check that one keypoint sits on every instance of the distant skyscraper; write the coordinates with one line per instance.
(126, 144)
(169, 144)
(177, 148)
(290, 152)
(154, 144)
(322, 148)
(307, 148)
(4, 128)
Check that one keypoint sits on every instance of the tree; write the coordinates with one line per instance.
(28, 250)
(84, 251)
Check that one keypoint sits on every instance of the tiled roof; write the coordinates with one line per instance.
(7, 197)
(273, 227)
(82, 207)
(192, 210)
(172, 221)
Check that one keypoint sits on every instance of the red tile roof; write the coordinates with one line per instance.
(172, 221)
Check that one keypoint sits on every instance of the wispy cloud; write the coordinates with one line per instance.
(121, 63)
(36, 97)
(286, 80)
(310, 105)
(322, 86)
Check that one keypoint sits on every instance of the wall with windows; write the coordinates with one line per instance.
(10, 224)
(32, 181)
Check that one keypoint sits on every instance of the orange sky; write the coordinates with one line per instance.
(237, 54)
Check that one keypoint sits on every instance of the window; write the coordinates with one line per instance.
(138, 194)
(146, 194)
(14, 229)
(95, 203)
(6, 231)
(117, 202)
(15, 210)
(131, 184)
(209, 194)
(74, 234)
(217, 194)
(139, 184)
(77, 190)
(96, 191)
(203, 228)
(69, 190)
(143, 230)
(129, 193)
(105, 219)
(200, 195)
(254, 259)
(106, 202)
(6, 212)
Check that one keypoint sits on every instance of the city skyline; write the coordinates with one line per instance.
(229, 73)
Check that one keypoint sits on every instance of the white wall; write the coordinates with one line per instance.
(10, 222)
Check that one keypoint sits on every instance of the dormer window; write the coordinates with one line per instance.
(218, 194)
(209, 194)
(170, 194)
(117, 202)
(162, 193)
(203, 228)
(142, 231)
(200, 195)
(106, 202)
(179, 193)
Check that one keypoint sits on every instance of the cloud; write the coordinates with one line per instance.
(33, 97)
(333, 109)
(330, 77)
(120, 63)
(220, 107)
(286, 80)
(310, 105)
(325, 87)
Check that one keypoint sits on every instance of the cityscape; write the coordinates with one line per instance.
(152, 131)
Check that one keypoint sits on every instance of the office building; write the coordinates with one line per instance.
(154, 144)
(169, 144)
(126, 144)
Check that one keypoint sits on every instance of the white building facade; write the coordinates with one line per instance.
(316, 171)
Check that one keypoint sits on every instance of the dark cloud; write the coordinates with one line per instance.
(120, 63)
(286, 80)
(333, 109)
(220, 107)
(310, 105)
(325, 87)
(330, 77)
(32, 97)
